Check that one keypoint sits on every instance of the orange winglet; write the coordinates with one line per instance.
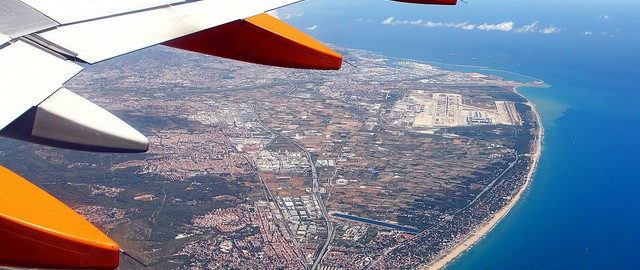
(261, 39)
(430, 2)
(37, 230)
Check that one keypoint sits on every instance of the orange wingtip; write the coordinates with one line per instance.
(430, 2)
(37, 230)
(261, 39)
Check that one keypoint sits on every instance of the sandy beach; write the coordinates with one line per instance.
(486, 227)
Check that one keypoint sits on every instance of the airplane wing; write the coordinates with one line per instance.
(44, 43)
(44, 40)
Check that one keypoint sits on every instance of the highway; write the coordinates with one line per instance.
(316, 194)
(269, 196)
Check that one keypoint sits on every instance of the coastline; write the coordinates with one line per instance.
(475, 236)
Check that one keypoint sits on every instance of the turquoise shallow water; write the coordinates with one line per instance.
(582, 209)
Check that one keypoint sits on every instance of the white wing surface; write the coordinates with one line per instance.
(29, 75)
(99, 40)
(71, 11)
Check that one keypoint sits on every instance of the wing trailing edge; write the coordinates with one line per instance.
(37, 230)
(261, 39)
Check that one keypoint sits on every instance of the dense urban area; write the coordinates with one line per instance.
(385, 166)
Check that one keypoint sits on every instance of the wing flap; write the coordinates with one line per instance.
(28, 76)
(98, 40)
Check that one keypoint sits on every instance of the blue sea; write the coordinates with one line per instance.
(582, 210)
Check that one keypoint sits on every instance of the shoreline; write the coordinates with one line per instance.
(486, 227)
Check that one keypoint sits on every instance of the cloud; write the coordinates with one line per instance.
(607, 34)
(363, 20)
(551, 30)
(529, 28)
(604, 17)
(312, 27)
(430, 24)
(505, 26)
(274, 13)
(464, 25)
(388, 21)
(603, 33)
(286, 13)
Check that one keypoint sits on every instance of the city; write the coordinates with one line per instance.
(255, 167)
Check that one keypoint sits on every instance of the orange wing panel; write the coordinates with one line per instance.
(261, 39)
(37, 230)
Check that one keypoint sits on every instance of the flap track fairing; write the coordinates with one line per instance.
(67, 120)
